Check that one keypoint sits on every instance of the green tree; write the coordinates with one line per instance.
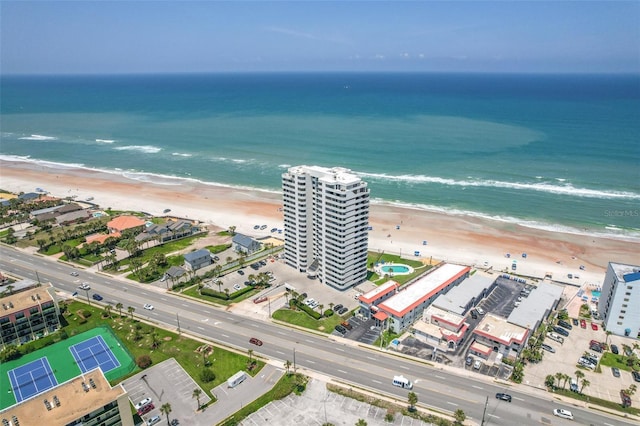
(632, 389)
(287, 365)
(559, 376)
(107, 311)
(131, 310)
(196, 394)
(166, 409)
(413, 400)
(459, 416)
(550, 381)
(579, 375)
(361, 422)
(585, 383)
(119, 308)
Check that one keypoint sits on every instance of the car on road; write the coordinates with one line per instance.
(615, 371)
(614, 349)
(636, 376)
(97, 297)
(548, 348)
(85, 286)
(561, 412)
(583, 323)
(144, 410)
(468, 361)
(503, 396)
(74, 274)
(255, 341)
(594, 326)
(153, 420)
(148, 307)
(143, 403)
(340, 329)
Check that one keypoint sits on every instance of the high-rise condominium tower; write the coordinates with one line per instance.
(326, 223)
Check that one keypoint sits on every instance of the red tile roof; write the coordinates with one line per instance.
(121, 223)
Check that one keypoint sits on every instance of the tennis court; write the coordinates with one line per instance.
(31, 379)
(93, 353)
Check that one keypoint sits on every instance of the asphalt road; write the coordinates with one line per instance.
(444, 390)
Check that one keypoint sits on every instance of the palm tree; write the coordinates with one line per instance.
(579, 375)
(413, 400)
(166, 409)
(119, 308)
(608, 333)
(196, 394)
(250, 354)
(559, 377)
(131, 309)
(287, 365)
(460, 416)
(585, 383)
(566, 378)
(107, 310)
(232, 230)
(320, 308)
(632, 389)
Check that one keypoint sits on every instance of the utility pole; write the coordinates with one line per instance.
(485, 411)
(294, 360)
(178, 320)
(37, 277)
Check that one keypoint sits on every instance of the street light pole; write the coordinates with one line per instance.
(485, 411)
(88, 301)
(178, 320)
(294, 360)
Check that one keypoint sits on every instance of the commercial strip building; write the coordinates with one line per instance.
(85, 400)
(326, 221)
(619, 300)
(495, 334)
(28, 315)
(533, 309)
(464, 296)
(439, 325)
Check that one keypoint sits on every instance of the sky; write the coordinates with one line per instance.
(89, 37)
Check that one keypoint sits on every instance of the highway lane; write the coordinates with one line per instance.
(365, 368)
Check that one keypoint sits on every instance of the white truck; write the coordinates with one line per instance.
(236, 379)
(402, 382)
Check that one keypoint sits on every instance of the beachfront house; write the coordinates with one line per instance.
(168, 231)
(245, 244)
(197, 259)
(122, 223)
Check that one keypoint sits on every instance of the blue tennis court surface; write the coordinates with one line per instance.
(31, 379)
(93, 353)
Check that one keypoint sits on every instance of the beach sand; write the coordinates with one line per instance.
(460, 239)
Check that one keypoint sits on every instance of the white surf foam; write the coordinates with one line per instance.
(105, 140)
(180, 154)
(38, 138)
(147, 149)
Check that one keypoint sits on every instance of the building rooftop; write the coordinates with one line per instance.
(500, 330)
(191, 256)
(443, 315)
(373, 295)
(328, 175)
(75, 401)
(243, 240)
(416, 293)
(17, 302)
(533, 309)
(626, 273)
(457, 298)
(121, 223)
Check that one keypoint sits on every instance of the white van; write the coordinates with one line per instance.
(236, 379)
(402, 382)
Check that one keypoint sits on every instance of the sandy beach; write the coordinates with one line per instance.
(410, 232)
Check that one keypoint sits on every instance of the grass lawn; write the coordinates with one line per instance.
(218, 249)
(193, 292)
(301, 319)
(611, 360)
(138, 337)
(373, 258)
(597, 401)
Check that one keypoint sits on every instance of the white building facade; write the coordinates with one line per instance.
(326, 221)
(619, 300)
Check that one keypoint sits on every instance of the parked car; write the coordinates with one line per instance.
(85, 286)
(615, 371)
(477, 365)
(614, 349)
(626, 399)
(583, 323)
(596, 348)
(153, 420)
(503, 396)
(346, 325)
(97, 297)
(636, 376)
(594, 326)
(337, 307)
(255, 341)
(565, 324)
(237, 287)
(144, 410)
(143, 403)
(469, 361)
(343, 311)
(74, 274)
(480, 310)
(561, 412)
(340, 329)
(548, 348)
(240, 272)
(561, 330)
(575, 321)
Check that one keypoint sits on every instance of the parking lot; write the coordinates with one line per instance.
(167, 382)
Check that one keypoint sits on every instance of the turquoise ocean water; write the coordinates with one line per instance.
(551, 151)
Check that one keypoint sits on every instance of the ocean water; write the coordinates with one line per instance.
(551, 151)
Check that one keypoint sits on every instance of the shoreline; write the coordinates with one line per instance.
(400, 230)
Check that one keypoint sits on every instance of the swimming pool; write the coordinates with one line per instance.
(394, 269)
(595, 293)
